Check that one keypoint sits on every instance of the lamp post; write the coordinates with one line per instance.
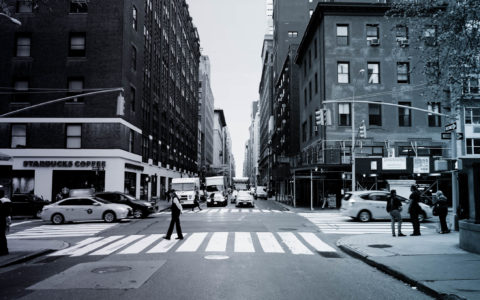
(353, 132)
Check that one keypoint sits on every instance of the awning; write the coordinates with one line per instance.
(4, 157)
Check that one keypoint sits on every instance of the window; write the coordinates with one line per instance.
(134, 18)
(19, 135)
(311, 12)
(342, 35)
(134, 58)
(472, 115)
(311, 126)
(473, 146)
(471, 85)
(304, 131)
(373, 73)
(21, 89)
(145, 147)
(343, 70)
(309, 59)
(315, 48)
(77, 45)
(74, 136)
(316, 83)
(403, 72)
(372, 32)
(132, 98)
(404, 115)
(375, 114)
(24, 6)
(434, 120)
(305, 68)
(430, 35)
(305, 96)
(292, 34)
(75, 86)
(310, 91)
(344, 114)
(78, 6)
(131, 140)
(23, 44)
(401, 33)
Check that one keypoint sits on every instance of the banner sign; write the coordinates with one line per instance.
(421, 165)
(394, 163)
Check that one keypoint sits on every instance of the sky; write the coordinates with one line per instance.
(231, 35)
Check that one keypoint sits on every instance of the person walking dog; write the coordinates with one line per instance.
(414, 209)
(441, 206)
(176, 211)
(394, 207)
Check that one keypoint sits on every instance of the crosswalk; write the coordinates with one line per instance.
(301, 243)
(334, 223)
(58, 231)
(209, 211)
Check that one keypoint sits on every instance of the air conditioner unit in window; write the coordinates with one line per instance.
(404, 43)
(316, 128)
(374, 42)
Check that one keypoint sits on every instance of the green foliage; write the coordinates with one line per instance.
(447, 36)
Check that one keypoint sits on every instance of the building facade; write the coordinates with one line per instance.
(135, 142)
(206, 104)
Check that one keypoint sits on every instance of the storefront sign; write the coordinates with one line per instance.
(421, 165)
(63, 164)
(394, 163)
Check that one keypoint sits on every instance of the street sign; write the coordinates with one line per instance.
(450, 127)
(448, 135)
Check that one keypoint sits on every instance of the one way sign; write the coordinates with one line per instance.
(448, 135)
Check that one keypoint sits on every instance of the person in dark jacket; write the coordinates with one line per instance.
(196, 200)
(414, 209)
(5, 212)
(394, 207)
(442, 208)
(176, 211)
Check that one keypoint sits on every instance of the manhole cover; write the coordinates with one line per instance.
(287, 229)
(380, 246)
(217, 257)
(115, 269)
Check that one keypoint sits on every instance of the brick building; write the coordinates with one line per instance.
(148, 48)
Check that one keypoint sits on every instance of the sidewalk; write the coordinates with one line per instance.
(303, 209)
(23, 250)
(431, 262)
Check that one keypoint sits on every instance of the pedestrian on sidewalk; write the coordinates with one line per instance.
(441, 206)
(176, 211)
(196, 200)
(394, 207)
(5, 220)
(414, 209)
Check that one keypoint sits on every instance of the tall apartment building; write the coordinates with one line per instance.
(206, 104)
(251, 147)
(351, 51)
(148, 48)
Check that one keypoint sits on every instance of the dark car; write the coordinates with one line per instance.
(28, 205)
(141, 209)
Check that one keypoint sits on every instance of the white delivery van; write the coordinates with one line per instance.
(216, 190)
(186, 189)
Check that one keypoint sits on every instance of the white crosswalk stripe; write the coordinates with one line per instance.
(301, 243)
(334, 223)
(63, 230)
(211, 211)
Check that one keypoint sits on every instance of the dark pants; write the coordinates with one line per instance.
(415, 223)
(196, 204)
(3, 238)
(443, 220)
(175, 221)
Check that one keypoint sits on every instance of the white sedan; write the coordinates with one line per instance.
(84, 209)
(244, 198)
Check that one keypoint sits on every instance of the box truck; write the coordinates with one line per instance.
(216, 190)
(186, 189)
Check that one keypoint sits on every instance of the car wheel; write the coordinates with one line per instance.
(109, 216)
(422, 217)
(137, 213)
(38, 214)
(57, 219)
(364, 216)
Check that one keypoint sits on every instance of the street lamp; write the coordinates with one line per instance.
(353, 131)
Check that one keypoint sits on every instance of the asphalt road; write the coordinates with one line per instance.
(226, 254)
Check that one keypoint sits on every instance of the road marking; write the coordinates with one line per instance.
(316, 243)
(25, 222)
(213, 211)
(255, 210)
(63, 230)
(193, 243)
(269, 243)
(235, 210)
(78, 245)
(265, 210)
(294, 244)
(95, 245)
(164, 245)
(117, 245)
(243, 242)
(142, 244)
(276, 211)
(218, 242)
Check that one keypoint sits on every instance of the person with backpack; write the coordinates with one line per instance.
(414, 209)
(441, 206)
(176, 211)
(394, 207)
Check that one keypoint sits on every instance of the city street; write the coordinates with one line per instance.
(228, 253)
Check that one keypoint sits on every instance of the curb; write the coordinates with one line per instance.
(26, 257)
(399, 275)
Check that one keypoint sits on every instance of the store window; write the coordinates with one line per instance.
(74, 136)
(130, 183)
(18, 136)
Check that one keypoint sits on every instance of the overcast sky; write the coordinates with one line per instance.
(231, 35)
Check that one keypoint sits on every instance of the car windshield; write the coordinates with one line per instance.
(214, 188)
(183, 186)
(102, 200)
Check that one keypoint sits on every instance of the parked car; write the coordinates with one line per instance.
(261, 192)
(85, 209)
(369, 205)
(244, 199)
(141, 208)
(28, 205)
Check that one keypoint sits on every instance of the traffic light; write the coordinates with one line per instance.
(363, 130)
(321, 116)
(120, 105)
